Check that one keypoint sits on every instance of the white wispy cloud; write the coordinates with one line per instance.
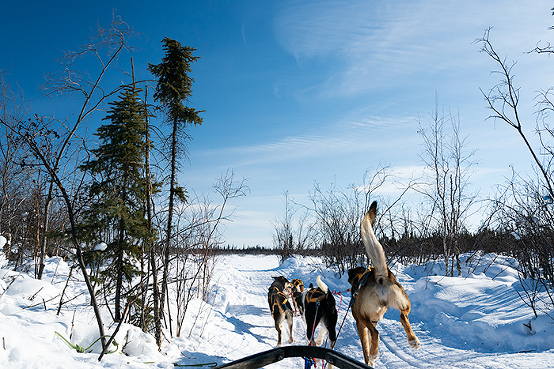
(378, 44)
(347, 137)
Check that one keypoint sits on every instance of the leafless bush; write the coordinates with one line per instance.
(292, 237)
(198, 235)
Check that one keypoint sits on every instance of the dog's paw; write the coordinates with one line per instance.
(414, 344)
(371, 360)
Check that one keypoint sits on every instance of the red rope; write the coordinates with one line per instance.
(345, 315)
(343, 320)
(340, 294)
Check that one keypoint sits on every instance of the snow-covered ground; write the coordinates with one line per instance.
(475, 321)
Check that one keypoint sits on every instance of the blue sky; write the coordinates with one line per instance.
(298, 92)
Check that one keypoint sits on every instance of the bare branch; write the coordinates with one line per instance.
(503, 100)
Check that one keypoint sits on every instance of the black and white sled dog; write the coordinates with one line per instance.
(317, 305)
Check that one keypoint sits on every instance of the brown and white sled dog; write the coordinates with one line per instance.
(317, 305)
(280, 308)
(278, 298)
(297, 285)
(375, 289)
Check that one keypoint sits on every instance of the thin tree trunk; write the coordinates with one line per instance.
(37, 253)
(46, 224)
(151, 243)
(120, 253)
(74, 240)
(119, 271)
(166, 250)
(144, 283)
(446, 254)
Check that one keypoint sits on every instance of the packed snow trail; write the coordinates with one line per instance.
(473, 321)
(242, 302)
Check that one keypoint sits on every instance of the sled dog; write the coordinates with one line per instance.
(317, 305)
(297, 285)
(374, 290)
(279, 305)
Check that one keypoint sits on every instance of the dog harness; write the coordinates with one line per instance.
(315, 295)
(361, 280)
(298, 285)
(285, 301)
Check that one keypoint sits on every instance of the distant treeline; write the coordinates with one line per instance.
(409, 248)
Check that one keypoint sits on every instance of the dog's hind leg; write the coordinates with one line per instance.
(332, 334)
(412, 339)
(364, 340)
(309, 318)
(289, 321)
(319, 339)
(374, 346)
(278, 334)
(278, 327)
(278, 320)
(310, 334)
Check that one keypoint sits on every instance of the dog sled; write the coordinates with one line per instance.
(265, 358)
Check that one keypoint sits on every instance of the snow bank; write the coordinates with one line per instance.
(31, 331)
(476, 320)
(482, 311)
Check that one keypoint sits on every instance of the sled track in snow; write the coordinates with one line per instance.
(390, 334)
(396, 352)
(401, 353)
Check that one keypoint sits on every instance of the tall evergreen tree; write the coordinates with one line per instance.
(118, 190)
(173, 89)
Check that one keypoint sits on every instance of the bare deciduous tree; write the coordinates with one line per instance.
(292, 237)
(198, 234)
(50, 146)
(524, 205)
(338, 217)
(447, 189)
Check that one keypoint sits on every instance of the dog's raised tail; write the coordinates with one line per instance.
(372, 246)
(321, 284)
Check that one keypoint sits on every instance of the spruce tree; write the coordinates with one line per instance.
(118, 190)
(173, 89)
